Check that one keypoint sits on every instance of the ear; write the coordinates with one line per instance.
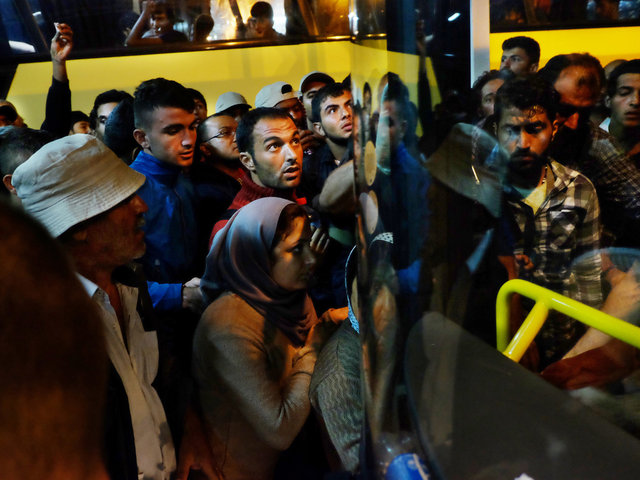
(6, 180)
(205, 149)
(141, 138)
(607, 101)
(555, 126)
(317, 128)
(533, 68)
(247, 161)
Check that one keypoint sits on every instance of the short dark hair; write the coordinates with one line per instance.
(528, 44)
(17, 144)
(632, 66)
(195, 94)
(526, 93)
(110, 96)
(262, 10)
(244, 133)
(163, 6)
(159, 93)
(78, 116)
(118, 131)
(331, 90)
(486, 77)
(551, 71)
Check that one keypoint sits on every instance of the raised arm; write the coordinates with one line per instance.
(135, 36)
(58, 105)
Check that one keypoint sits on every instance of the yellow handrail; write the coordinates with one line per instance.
(547, 300)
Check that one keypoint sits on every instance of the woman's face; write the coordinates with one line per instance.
(294, 262)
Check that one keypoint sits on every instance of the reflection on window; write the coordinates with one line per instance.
(527, 13)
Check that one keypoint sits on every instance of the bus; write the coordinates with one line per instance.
(437, 399)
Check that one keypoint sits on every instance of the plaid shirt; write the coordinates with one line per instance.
(566, 225)
(617, 181)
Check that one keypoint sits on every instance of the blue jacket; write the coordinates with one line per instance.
(170, 230)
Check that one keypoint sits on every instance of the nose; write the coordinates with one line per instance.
(139, 204)
(309, 258)
(635, 99)
(524, 140)
(346, 112)
(573, 121)
(290, 152)
(189, 137)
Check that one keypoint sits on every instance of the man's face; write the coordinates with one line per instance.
(310, 92)
(160, 22)
(625, 103)
(517, 60)
(336, 118)
(170, 135)
(80, 127)
(200, 111)
(117, 237)
(578, 95)
(277, 154)
(103, 113)
(525, 136)
(221, 135)
(391, 128)
(294, 108)
(488, 96)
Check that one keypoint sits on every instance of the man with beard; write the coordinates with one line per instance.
(554, 210)
(581, 145)
(623, 98)
(280, 95)
(217, 176)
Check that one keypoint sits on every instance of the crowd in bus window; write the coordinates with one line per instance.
(506, 13)
(214, 248)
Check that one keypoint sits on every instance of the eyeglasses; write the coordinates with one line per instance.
(566, 110)
(224, 133)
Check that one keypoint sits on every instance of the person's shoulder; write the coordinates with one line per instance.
(229, 312)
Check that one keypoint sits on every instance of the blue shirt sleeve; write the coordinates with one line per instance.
(165, 296)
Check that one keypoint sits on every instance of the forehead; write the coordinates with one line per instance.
(311, 87)
(519, 51)
(492, 86)
(515, 116)
(274, 127)
(339, 100)
(216, 123)
(575, 85)
(106, 108)
(162, 116)
(629, 80)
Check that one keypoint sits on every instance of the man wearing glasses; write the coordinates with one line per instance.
(217, 174)
(581, 145)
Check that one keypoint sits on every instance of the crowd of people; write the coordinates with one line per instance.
(216, 249)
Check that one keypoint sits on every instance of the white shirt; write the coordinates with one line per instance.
(137, 368)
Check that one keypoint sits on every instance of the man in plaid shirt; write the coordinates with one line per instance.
(553, 210)
(583, 146)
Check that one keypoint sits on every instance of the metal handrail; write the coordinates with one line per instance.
(547, 300)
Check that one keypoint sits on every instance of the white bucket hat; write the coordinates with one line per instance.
(71, 180)
(230, 99)
(275, 93)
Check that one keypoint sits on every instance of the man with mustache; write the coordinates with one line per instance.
(270, 150)
(553, 210)
(88, 199)
(623, 98)
(581, 145)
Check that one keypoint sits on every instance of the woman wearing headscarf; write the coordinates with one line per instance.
(256, 345)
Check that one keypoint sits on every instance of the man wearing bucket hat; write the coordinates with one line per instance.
(86, 197)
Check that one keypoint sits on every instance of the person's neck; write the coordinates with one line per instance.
(628, 137)
(338, 151)
(228, 167)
